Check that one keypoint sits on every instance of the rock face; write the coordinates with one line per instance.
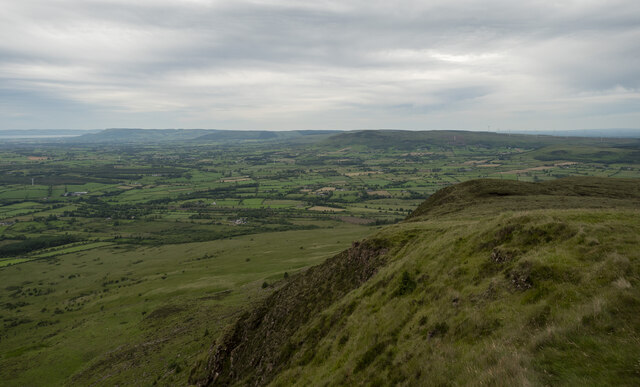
(260, 341)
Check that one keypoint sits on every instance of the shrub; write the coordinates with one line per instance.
(369, 356)
(407, 284)
(439, 329)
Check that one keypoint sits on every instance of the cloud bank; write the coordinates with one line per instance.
(325, 64)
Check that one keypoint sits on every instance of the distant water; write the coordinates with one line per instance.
(14, 136)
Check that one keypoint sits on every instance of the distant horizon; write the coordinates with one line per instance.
(498, 130)
(15, 134)
(491, 130)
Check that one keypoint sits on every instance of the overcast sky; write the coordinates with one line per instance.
(284, 64)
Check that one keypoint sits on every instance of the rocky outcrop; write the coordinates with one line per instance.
(259, 343)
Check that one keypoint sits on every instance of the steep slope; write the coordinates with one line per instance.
(259, 342)
(487, 282)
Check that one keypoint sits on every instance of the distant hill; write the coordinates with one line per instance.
(262, 135)
(42, 133)
(139, 135)
(611, 132)
(621, 153)
(376, 139)
(487, 282)
(187, 135)
(409, 140)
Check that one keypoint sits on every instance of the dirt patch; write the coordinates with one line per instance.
(527, 170)
(355, 220)
(502, 255)
(416, 154)
(350, 174)
(563, 164)
(164, 312)
(339, 151)
(326, 189)
(472, 162)
(234, 179)
(217, 296)
(380, 193)
(520, 277)
(323, 208)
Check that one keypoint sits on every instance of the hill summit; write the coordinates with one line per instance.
(487, 282)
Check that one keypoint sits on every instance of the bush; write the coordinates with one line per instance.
(370, 356)
(407, 284)
(439, 329)
(32, 244)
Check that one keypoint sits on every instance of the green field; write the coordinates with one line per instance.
(163, 303)
(126, 261)
(486, 284)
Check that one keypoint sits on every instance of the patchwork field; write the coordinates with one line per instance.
(125, 261)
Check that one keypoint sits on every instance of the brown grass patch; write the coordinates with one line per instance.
(326, 189)
(355, 220)
(351, 174)
(380, 193)
(323, 208)
(234, 179)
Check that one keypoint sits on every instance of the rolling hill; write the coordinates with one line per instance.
(411, 140)
(487, 282)
(155, 136)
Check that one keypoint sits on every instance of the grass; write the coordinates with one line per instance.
(13, 261)
(114, 297)
(527, 297)
(574, 324)
(73, 249)
(155, 262)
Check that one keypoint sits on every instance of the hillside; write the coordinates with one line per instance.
(487, 282)
(411, 140)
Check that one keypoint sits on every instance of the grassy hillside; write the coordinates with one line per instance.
(490, 197)
(140, 315)
(610, 155)
(409, 140)
(486, 283)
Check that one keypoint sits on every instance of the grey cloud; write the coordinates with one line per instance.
(249, 64)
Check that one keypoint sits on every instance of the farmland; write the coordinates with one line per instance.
(148, 250)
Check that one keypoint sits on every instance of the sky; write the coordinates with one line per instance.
(323, 64)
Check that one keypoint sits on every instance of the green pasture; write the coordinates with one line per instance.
(72, 249)
(114, 296)
(155, 260)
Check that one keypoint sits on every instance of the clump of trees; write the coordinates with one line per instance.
(32, 244)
